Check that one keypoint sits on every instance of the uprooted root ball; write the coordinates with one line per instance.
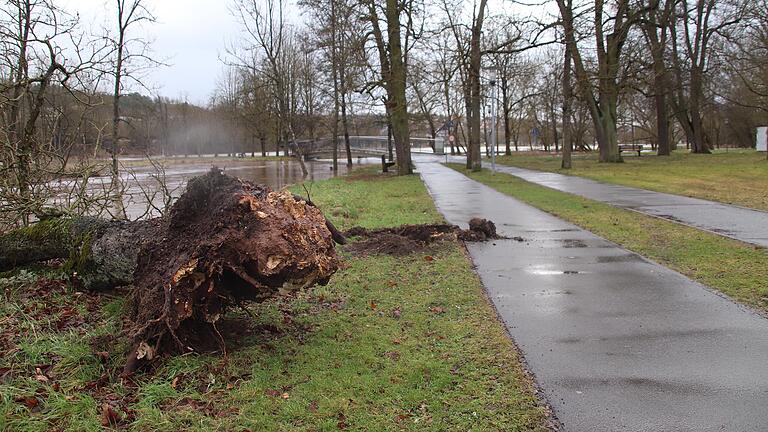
(226, 242)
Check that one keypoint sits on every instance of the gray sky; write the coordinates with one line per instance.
(189, 35)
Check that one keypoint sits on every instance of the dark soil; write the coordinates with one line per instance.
(408, 239)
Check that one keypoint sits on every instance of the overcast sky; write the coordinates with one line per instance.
(190, 35)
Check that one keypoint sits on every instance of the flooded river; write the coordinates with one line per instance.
(142, 185)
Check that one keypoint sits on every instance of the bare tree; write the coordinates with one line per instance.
(264, 23)
(609, 44)
(35, 70)
(568, 37)
(699, 25)
(655, 25)
(393, 63)
(130, 53)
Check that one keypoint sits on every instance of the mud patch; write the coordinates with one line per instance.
(408, 239)
(618, 259)
(573, 243)
(669, 217)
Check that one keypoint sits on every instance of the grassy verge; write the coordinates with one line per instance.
(735, 268)
(734, 177)
(402, 343)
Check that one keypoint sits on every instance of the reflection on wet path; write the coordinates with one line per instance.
(597, 323)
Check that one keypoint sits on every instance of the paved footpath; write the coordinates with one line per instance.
(616, 342)
(740, 223)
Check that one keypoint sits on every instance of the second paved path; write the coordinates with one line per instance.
(743, 224)
(617, 343)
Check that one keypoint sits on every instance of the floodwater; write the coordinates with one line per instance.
(146, 188)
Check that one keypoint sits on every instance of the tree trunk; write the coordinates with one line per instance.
(262, 141)
(699, 144)
(662, 117)
(505, 112)
(567, 107)
(334, 77)
(345, 124)
(475, 62)
(100, 254)
(397, 102)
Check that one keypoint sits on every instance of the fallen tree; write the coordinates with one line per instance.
(225, 242)
(98, 254)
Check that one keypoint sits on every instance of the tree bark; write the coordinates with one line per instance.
(474, 157)
(506, 113)
(398, 105)
(567, 108)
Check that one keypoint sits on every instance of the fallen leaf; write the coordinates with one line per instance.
(313, 406)
(285, 396)
(175, 383)
(29, 401)
(40, 376)
(373, 305)
(437, 309)
(108, 416)
(144, 350)
(429, 258)
(272, 392)
(396, 312)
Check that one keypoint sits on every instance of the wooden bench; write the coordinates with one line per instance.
(385, 166)
(631, 147)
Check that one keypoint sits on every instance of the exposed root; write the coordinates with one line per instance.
(227, 242)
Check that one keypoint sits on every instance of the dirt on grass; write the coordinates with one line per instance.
(408, 239)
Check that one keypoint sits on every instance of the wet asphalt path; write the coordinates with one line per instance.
(616, 342)
(740, 223)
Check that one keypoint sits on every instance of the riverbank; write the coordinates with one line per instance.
(392, 343)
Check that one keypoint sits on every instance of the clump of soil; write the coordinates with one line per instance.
(408, 239)
(226, 242)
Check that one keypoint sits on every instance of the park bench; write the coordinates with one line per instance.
(385, 166)
(631, 147)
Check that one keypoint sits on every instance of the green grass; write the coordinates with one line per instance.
(735, 177)
(732, 267)
(403, 343)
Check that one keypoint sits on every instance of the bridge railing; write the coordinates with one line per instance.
(371, 144)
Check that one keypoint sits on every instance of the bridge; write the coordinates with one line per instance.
(365, 146)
